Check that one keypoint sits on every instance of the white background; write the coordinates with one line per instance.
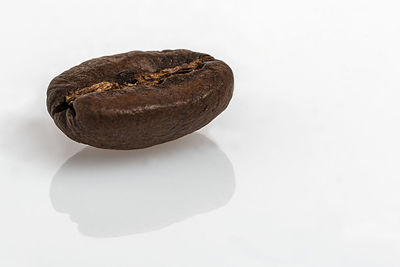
(302, 169)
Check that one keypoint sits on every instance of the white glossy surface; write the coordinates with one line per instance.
(301, 170)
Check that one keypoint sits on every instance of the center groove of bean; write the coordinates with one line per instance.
(138, 80)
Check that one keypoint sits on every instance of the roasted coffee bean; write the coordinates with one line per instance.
(139, 99)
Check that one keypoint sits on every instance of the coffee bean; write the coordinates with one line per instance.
(139, 99)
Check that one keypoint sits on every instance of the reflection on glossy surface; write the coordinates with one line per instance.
(115, 193)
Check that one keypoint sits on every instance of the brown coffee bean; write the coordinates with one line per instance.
(139, 99)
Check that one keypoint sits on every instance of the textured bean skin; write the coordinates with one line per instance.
(142, 98)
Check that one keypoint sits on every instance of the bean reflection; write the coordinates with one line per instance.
(116, 193)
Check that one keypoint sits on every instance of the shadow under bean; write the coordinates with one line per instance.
(115, 193)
